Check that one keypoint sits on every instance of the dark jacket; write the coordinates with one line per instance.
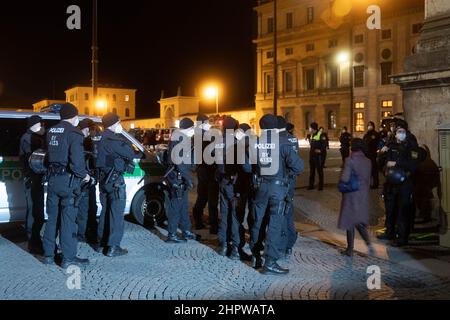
(65, 148)
(186, 166)
(114, 152)
(29, 143)
(372, 140)
(355, 205)
(345, 140)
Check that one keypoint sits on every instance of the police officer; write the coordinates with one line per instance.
(324, 136)
(67, 170)
(345, 140)
(178, 180)
(228, 170)
(372, 140)
(290, 230)
(207, 188)
(31, 141)
(115, 157)
(276, 162)
(87, 207)
(400, 160)
(244, 187)
(318, 147)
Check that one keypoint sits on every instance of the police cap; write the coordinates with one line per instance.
(31, 121)
(86, 123)
(110, 119)
(186, 123)
(281, 122)
(230, 123)
(268, 122)
(68, 111)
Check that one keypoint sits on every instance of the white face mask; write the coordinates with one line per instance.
(118, 129)
(401, 136)
(36, 128)
(205, 126)
(76, 122)
(85, 132)
(240, 135)
(370, 128)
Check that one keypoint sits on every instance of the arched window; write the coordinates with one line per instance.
(114, 110)
(332, 120)
(127, 112)
(86, 111)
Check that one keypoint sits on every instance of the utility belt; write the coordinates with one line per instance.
(276, 182)
(229, 179)
(57, 170)
(107, 177)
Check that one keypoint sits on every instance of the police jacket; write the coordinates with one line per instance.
(405, 154)
(318, 141)
(268, 152)
(65, 148)
(29, 143)
(114, 153)
(227, 151)
(185, 153)
(372, 140)
(345, 140)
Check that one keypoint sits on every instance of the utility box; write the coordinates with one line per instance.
(444, 161)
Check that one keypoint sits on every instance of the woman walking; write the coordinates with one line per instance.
(355, 205)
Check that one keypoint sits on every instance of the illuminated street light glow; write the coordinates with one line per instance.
(343, 57)
(212, 92)
(101, 104)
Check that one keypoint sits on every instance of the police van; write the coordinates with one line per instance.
(145, 199)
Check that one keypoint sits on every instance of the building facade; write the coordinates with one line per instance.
(120, 101)
(331, 68)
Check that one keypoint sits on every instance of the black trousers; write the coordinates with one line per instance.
(375, 173)
(290, 229)
(87, 214)
(229, 222)
(176, 204)
(269, 198)
(207, 193)
(362, 229)
(111, 222)
(316, 164)
(399, 205)
(345, 153)
(245, 204)
(60, 207)
(35, 219)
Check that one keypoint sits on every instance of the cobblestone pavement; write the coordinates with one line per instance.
(156, 270)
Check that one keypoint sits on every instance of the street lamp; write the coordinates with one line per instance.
(101, 105)
(344, 57)
(212, 92)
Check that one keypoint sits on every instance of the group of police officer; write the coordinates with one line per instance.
(240, 183)
(78, 156)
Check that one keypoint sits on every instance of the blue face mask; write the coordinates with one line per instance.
(401, 136)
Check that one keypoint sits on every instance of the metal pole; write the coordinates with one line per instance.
(275, 60)
(350, 66)
(95, 60)
(217, 100)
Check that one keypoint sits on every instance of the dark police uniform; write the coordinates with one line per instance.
(318, 146)
(372, 140)
(207, 193)
(67, 169)
(115, 156)
(290, 230)
(178, 182)
(34, 190)
(271, 195)
(398, 195)
(87, 207)
(345, 140)
(228, 170)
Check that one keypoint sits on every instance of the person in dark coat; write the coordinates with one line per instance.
(327, 146)
(354, 212)
(345, 140)
(372, 140)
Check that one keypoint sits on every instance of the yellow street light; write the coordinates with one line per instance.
(212, 92)
(343, 57)
(101, 105)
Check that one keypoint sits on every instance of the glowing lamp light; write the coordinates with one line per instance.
(132, 126)
(211, 92)
(101, 104)
(177, 123)
(343, 57)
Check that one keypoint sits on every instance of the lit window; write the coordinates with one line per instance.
(359, 122)
(360, 105)
(127, 98)
(310, 15)
(386, 114)
(387, 103)
(332, 120)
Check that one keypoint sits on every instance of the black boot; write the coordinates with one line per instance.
(234, 255)
(36, 248)
(272, 267)
(173, 238)
(288, 253)
(116, 251)
(74, 262)
(257, 262)
(187, 235)
(347, 252)
(49, 261)
(223, 251)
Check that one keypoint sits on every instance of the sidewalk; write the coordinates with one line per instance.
(318, 212)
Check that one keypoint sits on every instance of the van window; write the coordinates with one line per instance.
(11, 130)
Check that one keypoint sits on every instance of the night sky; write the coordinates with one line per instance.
(147, 45)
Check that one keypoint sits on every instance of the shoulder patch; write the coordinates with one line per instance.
(415, 155)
